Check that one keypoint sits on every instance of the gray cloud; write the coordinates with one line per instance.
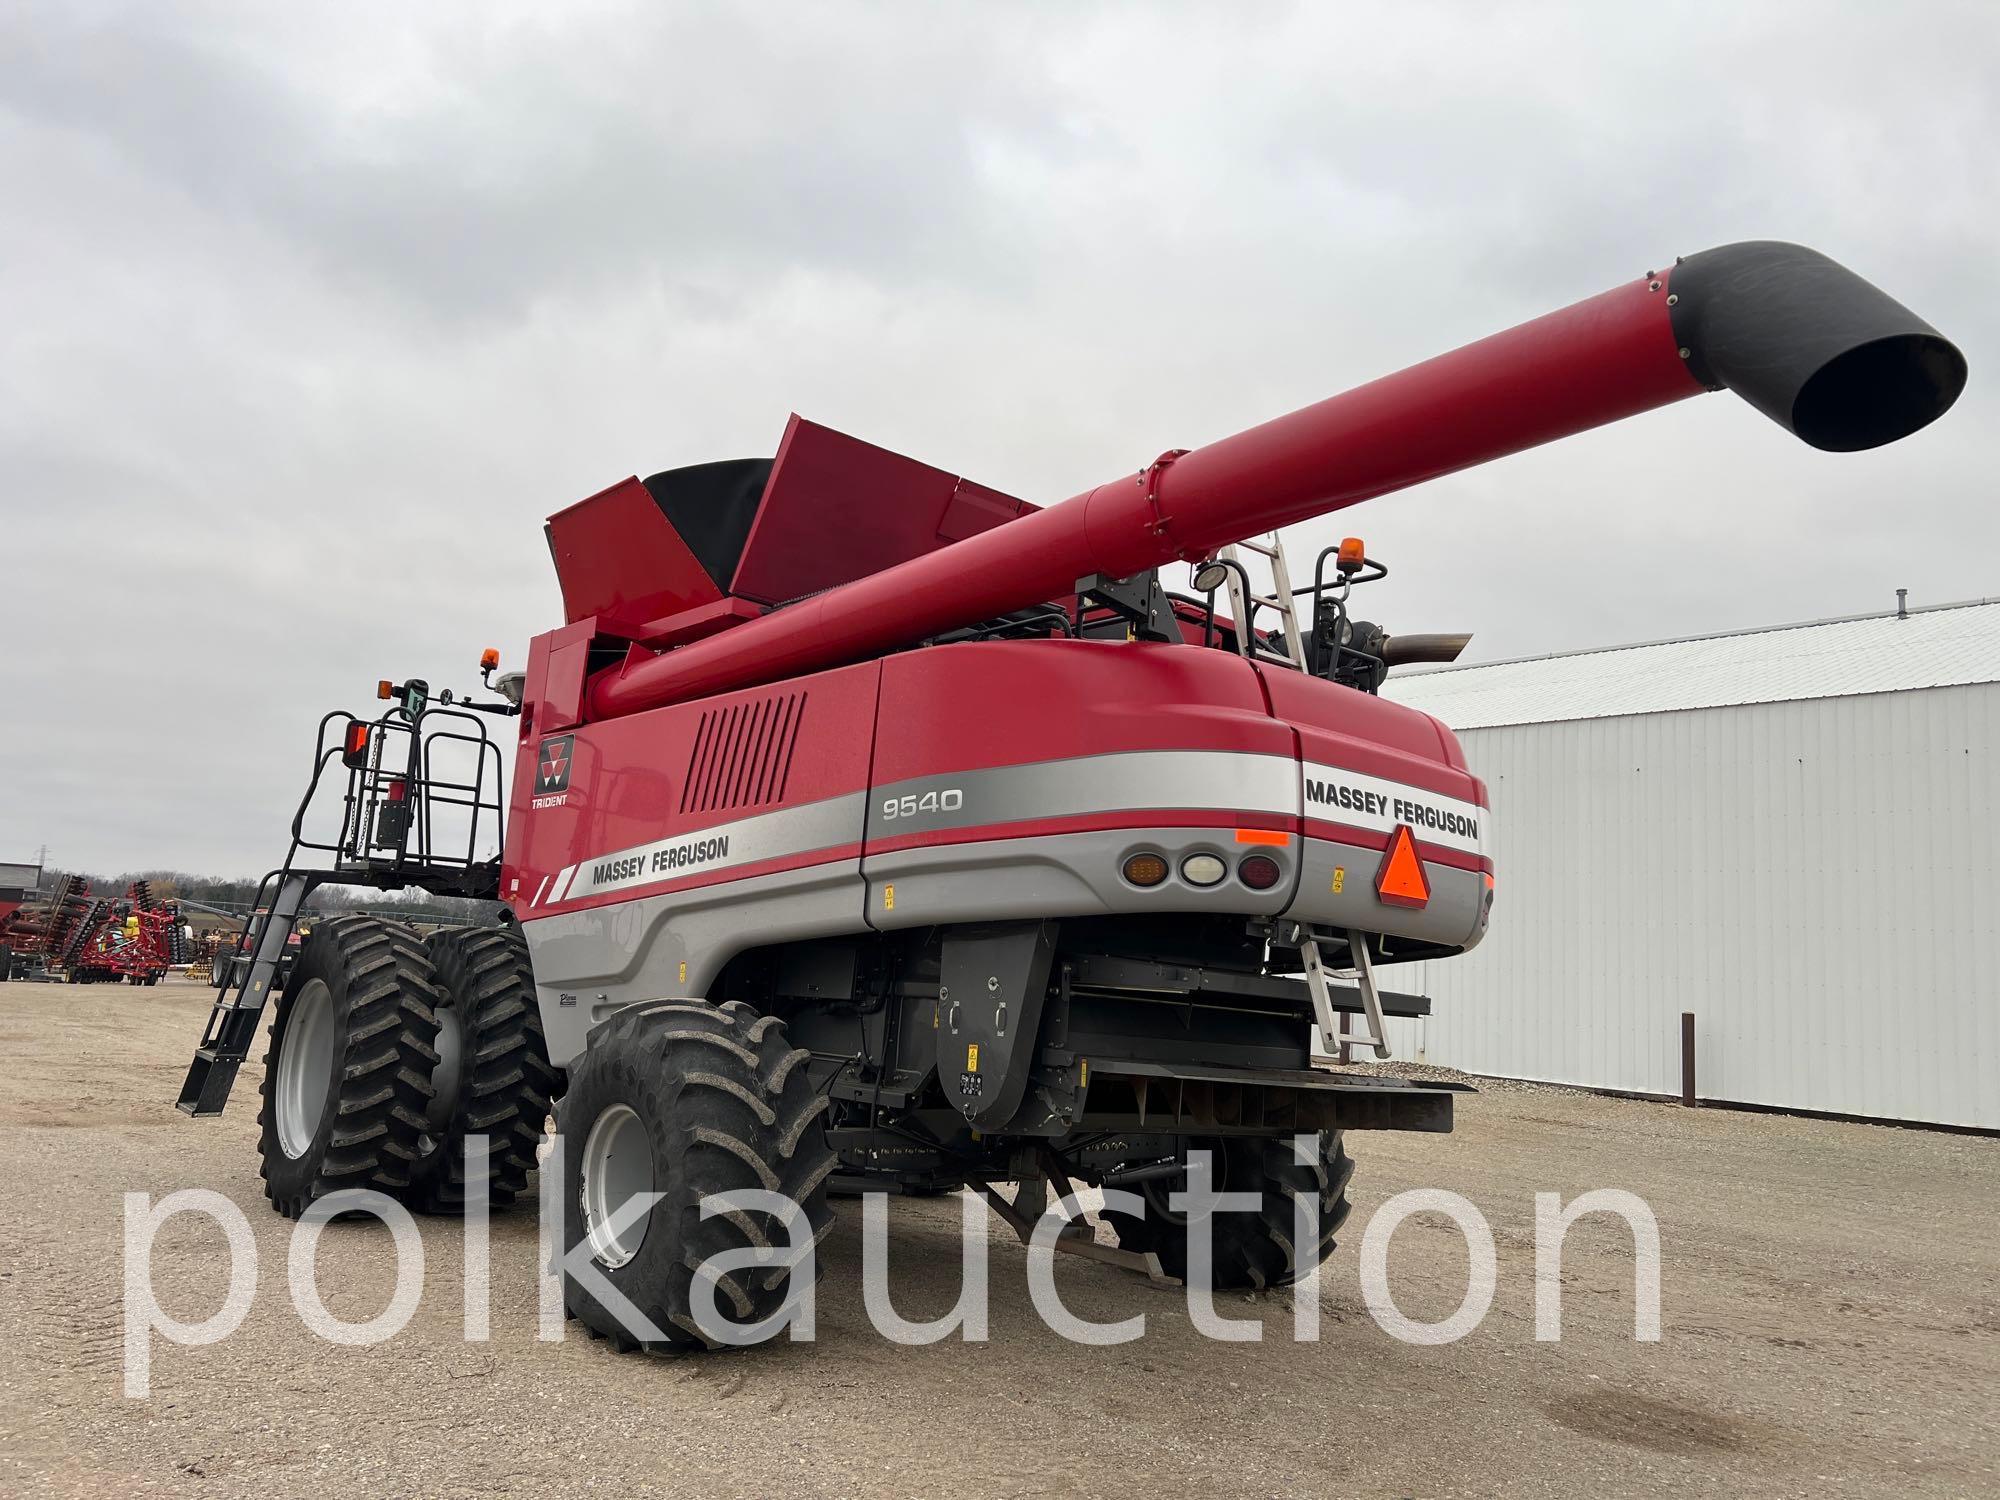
(314, 316)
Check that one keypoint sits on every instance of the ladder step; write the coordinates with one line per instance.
(207, 1085)
(1376, 1038)
(244, 982)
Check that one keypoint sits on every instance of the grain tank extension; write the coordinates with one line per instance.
(870, 827)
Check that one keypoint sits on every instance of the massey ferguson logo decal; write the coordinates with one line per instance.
(1377, 805)
(552, 771)
(1367, 802)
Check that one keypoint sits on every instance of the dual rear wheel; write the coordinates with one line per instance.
(388, 1051)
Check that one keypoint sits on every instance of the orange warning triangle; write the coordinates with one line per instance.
(1401, 880)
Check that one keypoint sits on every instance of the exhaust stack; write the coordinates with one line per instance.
(1807, 342)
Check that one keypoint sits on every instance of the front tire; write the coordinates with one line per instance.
(687, 1099)
(493, 1076)
(1251, 1250)
(347, 1076)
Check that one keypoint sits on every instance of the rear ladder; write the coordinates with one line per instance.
(1331, 1025)
(242, 990)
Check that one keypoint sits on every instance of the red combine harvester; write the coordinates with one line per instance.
(88, 939)
(870, 826)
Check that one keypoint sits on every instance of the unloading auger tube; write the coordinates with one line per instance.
(1804, 340)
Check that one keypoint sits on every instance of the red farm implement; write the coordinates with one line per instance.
(90, 939)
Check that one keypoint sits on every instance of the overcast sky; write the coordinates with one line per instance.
(312, 315)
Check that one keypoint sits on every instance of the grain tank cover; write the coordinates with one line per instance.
(827, 510)
(618, 557)
(837, 509)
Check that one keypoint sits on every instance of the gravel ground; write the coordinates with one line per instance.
(1832, 1300)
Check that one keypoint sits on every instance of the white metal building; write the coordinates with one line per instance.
(1791, 833)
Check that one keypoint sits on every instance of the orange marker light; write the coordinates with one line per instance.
(1352, 554)
(1263, 836)
(489, 659)
(385, 689)
(1401, 880)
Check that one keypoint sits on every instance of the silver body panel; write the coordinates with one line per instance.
(1337, 889)
(589, 963)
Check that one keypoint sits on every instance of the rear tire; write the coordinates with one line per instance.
(347, 1076)
(687, 1099)
(1252, 1250)
(493, 1076)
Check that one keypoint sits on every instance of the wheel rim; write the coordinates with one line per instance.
(617, 1165)
(305, 1068)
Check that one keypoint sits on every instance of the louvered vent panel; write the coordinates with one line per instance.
(742, 754)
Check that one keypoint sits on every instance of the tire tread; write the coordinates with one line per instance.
(506, 1081)
(1255, 1250)
(732, 1109)
(381, 971)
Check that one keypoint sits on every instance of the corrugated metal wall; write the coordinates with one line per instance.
(1815, 880)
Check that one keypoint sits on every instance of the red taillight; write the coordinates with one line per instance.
(1260, 872)
(399, 789)
(354, 753)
